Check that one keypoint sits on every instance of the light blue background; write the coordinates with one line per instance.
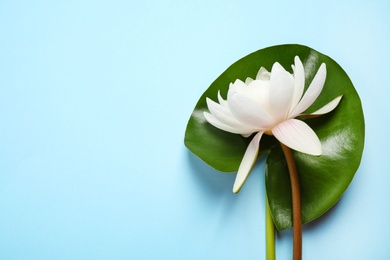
(94, 101)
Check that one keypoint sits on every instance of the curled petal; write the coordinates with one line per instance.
(223, 115)
(260, 92)
(312, 92)
(328, 107)
(247, 162)
(299, 82)
(248, 111)
(299, 136)
(280, 92)
(231, 129)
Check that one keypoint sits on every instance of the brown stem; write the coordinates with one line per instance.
(296, 203)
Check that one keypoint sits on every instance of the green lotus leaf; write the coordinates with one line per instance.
(323, 179)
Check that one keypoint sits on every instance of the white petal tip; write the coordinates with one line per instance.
(317, 153)
(248, 80)
(328, 107)
(208, 100)
(314, 149)
(238, 185)
(263, 74)
(236, 190)
(247, 162)
(240, 180)
(322, 69)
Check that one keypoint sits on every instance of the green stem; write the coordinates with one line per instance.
(270, 233)
(296, 203)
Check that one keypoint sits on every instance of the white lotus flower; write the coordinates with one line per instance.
(269, 105)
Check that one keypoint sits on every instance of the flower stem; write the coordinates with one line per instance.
(296, 203)
(270, 233)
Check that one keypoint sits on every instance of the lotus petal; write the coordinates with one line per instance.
(263, 74)
(297, 135)
(299, 82)
(280, 92)
(328, 107)
(223, 115)
(248, 112)
(247, 162)
(312, 92)
(218, 124)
